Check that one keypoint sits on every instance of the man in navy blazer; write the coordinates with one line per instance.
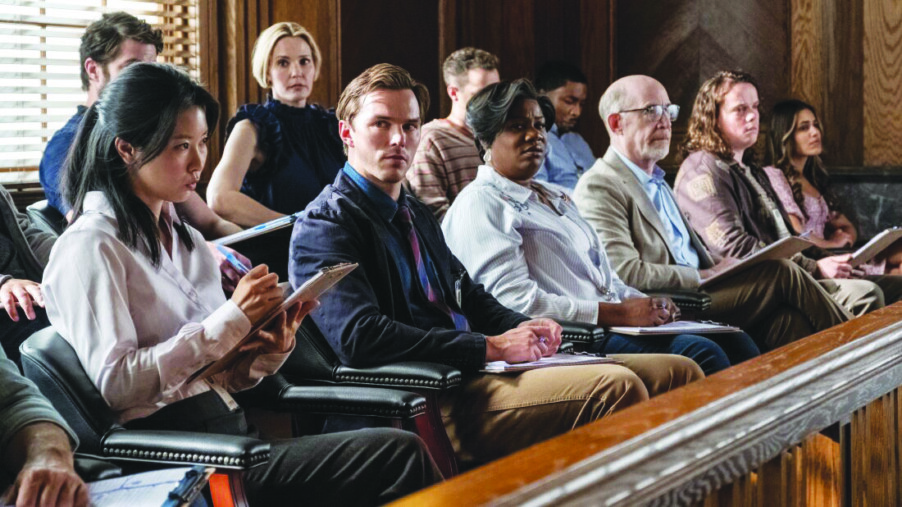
(412, 300)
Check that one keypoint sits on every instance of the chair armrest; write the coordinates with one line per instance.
(91, 469)
(352, 400)
(275, 392)
(185, 448)
(687, 300)
(582, 335)
(403, 375)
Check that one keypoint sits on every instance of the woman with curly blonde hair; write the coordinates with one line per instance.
(729, 201)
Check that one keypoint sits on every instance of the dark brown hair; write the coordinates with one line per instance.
(103, 37)
(780, 145)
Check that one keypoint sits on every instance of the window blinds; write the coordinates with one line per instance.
(40, 85)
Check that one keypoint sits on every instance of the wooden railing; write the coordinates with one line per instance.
(817, 422)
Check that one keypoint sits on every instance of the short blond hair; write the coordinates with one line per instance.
(382, 76)
(261, 58)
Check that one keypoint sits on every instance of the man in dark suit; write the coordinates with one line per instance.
(650, 243)
(411, 300)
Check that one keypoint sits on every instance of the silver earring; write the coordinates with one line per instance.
(488, 156)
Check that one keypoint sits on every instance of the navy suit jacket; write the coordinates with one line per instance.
(366, 317)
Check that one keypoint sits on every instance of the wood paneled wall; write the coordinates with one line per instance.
(417, 35)
(847, 62)
(843, 56)
(525, 34)
(882, 82)
(682, 43)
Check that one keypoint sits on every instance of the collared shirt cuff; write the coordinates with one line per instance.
(587, 312)
(471, 358)
(229, 325)
(267, 364)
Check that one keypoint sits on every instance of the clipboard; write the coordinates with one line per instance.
(781, 249)
(257, 230)
(189, 487)
(876, 245)
(170, 487)
(311, 289)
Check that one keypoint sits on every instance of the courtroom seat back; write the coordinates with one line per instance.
(51, 363)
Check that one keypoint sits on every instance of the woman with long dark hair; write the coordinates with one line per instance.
(798, 175)
(143, 307)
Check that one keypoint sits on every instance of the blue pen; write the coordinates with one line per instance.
(237, 264)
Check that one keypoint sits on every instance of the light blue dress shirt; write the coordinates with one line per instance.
(662, 198)
(569, 156)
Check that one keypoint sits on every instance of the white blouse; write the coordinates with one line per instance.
(532, 259)
(139, 330)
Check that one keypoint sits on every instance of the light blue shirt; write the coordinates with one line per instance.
(661, 197)
(535, 259)
(569, 156)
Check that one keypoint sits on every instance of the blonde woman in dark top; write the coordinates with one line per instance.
(279, 154)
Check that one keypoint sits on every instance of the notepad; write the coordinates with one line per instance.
(150, 489)
(678, 327)
(257, 230)
(780, 249)
(876, 245)
(547, 362)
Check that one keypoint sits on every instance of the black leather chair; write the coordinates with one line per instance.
(314, 361)
(49, 361)
(46, 217)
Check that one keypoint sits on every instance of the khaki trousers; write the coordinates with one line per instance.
(491, 416)
(775, 302)
(891, 285)
(858, 296)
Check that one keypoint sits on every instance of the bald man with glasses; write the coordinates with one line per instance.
(651, 245)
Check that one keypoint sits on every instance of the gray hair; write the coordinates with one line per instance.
(612, 101)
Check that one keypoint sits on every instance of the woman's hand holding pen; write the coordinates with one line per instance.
(257, 293)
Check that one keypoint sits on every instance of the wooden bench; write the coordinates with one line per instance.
(817, 422)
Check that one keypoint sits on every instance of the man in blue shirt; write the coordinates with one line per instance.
(108, 45)
(651, 245)
(411, 299)
(569, 155)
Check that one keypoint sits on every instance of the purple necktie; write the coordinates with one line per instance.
(460, 322)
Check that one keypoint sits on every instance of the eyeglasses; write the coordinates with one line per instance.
(655, 111)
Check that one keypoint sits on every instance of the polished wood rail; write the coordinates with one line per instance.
(816, 422)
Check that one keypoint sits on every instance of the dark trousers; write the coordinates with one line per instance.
(12, 334)
(712, 352)
(363, 467)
